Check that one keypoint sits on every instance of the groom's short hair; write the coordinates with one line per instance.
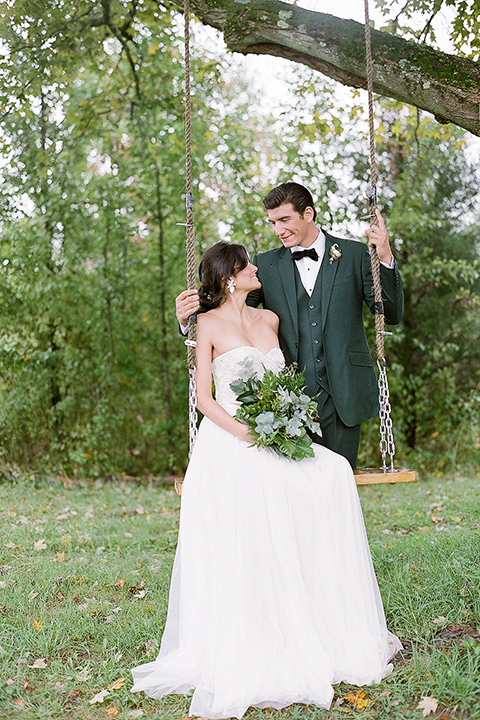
(290, 192)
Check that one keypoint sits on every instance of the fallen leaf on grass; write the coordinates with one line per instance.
(39, 664)
(83, 675)
(427, 705)
(138, 589)
(10, 545)
(72, 698)
(10, 681)
(358, 700)
(117, 684)
(149, 647)
(121, 582)
(37, 624)
(112, 710)
(39, 545)
(439, 620)
(99, 697)
(60, 557)
(135, 713)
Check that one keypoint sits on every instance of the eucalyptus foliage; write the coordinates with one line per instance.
(277, 411)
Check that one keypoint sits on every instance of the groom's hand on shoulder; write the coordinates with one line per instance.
(186, 304)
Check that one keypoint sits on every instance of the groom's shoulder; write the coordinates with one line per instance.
(269, 256)
(275, 252)
(356, 248)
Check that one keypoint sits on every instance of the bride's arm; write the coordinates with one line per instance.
(205, 400)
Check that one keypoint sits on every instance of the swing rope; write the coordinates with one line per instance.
(190, 240)
(387, 445)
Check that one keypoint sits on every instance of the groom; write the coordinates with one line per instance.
(317, 285)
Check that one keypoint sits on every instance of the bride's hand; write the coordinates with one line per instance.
(244, 433)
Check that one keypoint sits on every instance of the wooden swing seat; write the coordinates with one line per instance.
(363, 476)
(377, 476)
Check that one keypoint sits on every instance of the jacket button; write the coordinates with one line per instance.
(314, 324)
(311, 307)
(315, 342)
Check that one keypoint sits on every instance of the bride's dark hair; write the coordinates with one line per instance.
(217, 264)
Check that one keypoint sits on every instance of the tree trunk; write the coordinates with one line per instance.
(164, 360)
(108, 292)
(445, 85)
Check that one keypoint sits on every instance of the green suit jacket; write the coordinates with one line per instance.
(346, 285)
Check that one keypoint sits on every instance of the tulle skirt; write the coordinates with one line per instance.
(273, 596)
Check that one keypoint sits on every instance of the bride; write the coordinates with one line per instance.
(273, 596)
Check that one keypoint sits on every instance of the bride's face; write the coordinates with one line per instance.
(246, 279)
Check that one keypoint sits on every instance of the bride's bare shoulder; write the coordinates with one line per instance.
(207, 319)
(268, 317)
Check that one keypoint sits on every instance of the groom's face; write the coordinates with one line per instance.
(291, 228)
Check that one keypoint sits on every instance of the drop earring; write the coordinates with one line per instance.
(231, 284)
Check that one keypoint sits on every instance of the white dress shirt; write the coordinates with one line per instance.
(307, 268)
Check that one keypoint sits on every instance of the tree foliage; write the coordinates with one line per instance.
(430, 199)
(92, 369)
(93, 373)
(417, 20)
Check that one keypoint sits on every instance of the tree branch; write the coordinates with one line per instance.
(445, 85)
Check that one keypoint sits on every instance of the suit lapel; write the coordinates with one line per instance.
(286, 271)
(328, 270)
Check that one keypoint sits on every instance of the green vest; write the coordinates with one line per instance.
(311, 356)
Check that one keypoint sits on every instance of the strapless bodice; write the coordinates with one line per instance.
(241, 362)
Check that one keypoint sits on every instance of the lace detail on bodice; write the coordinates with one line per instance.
(241, 362)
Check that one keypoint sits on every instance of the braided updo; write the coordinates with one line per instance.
(217, 264)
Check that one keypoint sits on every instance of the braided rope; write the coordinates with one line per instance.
(377, 288)
(190, 230)
(387, 444)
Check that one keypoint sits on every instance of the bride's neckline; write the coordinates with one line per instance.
(246, 347)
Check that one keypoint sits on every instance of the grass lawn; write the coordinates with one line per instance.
(84, 574)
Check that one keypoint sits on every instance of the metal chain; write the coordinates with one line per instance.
(386, 444)
(192, 410)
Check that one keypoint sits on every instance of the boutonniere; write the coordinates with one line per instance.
(335, 253)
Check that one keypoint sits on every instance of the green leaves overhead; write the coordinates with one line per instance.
(418, 19)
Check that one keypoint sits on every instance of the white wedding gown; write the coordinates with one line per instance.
(273, 596)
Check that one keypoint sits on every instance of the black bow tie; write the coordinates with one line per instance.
(310, 252)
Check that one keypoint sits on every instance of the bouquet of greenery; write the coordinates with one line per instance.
(277, 411)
